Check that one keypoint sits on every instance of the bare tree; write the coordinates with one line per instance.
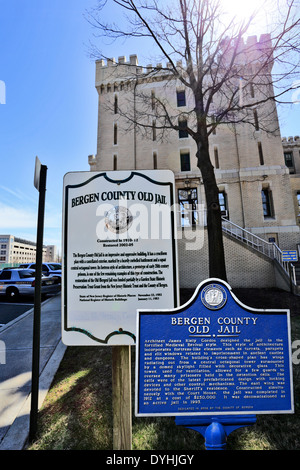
(219, 71)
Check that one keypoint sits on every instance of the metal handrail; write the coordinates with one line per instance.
(271, 250)
(267, 248)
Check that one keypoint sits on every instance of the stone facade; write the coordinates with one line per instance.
(245, 267)
(257, 191)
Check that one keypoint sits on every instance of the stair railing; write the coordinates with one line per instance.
(267, 248)
(188, 218)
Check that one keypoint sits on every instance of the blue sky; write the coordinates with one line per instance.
(50, 107)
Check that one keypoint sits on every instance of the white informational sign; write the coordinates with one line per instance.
(119, 253)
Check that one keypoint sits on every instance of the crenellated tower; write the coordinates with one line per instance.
(252, 176)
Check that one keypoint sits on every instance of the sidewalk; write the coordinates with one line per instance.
(16, 367)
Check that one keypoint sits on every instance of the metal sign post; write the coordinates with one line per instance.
(40, 184)
(121, 397)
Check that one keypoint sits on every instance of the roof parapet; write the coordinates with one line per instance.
(291, 140)
(249, 51)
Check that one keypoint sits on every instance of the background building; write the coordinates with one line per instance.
(51, 254)
(258, 193)
(14, 250)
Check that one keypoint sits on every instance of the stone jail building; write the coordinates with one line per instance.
(256, 194)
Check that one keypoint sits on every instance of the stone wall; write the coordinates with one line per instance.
(245, 266)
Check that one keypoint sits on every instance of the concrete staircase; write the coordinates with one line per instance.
(290, 273)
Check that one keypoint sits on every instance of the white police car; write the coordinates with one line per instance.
(48, 269)
(15, 282)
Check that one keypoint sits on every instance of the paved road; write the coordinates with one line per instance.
(9, 311)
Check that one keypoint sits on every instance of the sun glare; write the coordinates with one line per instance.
(242, 11)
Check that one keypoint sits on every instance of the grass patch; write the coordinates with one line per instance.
(77, 412)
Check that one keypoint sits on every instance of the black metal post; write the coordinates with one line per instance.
(37, 307)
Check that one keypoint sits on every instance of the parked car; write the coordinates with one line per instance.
(11, 267)
(48, 269)
(15, 282)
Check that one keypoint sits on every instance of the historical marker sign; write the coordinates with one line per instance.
(119, 253)
(213, 356)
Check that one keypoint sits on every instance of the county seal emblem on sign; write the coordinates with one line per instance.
(118, 219)
(213, 296)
